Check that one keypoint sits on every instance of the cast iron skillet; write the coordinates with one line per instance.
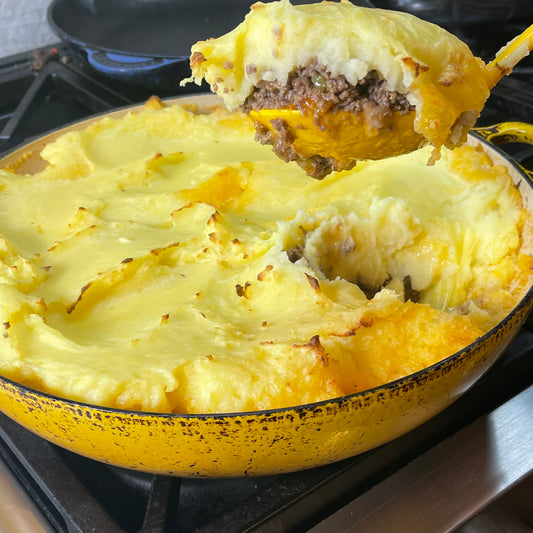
(277, 440)
(138, 40)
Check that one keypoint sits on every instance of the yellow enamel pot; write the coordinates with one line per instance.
(267, 442)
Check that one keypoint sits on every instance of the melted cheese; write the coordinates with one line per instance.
(166, 262)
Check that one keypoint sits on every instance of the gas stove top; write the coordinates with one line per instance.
(48, 88)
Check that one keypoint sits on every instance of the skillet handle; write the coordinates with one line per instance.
(508, 132)
(127, 66)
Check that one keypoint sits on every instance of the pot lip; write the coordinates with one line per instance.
(397, 384)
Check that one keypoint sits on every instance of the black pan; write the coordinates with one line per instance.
(141, 41)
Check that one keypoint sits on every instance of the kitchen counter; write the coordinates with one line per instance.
(24, 26)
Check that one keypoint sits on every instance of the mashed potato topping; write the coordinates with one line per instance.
(166, 262)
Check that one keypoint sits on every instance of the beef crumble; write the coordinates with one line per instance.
(281, 141)
(313, 88)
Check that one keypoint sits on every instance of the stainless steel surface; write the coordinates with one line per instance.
(442, 489)
(512, 513)
(17, 513)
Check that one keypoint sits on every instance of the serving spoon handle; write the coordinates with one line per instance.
(510, 55)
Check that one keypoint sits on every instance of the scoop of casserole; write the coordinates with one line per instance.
(331, 83)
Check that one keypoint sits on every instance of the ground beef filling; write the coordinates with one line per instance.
(314, 86)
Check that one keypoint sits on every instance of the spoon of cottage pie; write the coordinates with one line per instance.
(331, 83)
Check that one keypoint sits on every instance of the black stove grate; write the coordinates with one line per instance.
(38, 96)
(50, 88)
